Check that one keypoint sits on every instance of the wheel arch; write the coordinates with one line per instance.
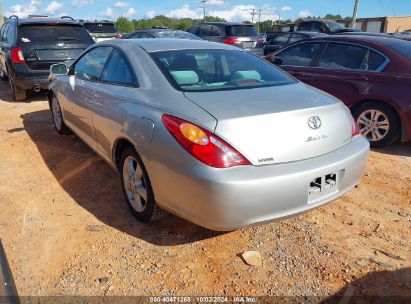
(118, 147)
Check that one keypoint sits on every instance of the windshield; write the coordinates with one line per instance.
(177, 34)
(53, 34)
(241, 30)
(403, 48)
(100, 27)
(334, 26)
(212, 70)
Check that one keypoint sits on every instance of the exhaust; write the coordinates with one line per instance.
(37, 89)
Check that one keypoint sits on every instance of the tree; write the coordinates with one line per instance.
(332, 17)
(123, 25)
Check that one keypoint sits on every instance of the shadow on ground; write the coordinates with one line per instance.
(96, 187)
(401, 149)
(383, 287)
(32, 96)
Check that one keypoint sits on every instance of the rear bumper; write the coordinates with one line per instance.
(26, 79)
(228, 199)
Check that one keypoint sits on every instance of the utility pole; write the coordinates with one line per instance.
(354, 14)
(259, 19)
(204, 9)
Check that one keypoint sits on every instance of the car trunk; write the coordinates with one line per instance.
(271, 125)
(47, 44)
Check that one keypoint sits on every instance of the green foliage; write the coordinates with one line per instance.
(123, 25)
(332, 17)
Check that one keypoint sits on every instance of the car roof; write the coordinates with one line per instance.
(382, 40)
(224, 23)
(44, 20)
(168, 44)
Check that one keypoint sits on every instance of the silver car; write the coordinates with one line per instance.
(207, 131)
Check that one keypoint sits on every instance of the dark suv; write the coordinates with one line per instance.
(238, 34)
(28, 47)
(322, 26)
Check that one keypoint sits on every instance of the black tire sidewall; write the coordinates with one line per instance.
(395, 125)
(147, 213)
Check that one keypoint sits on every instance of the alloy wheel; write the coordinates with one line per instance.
(373, 124)
(134, 183)
(56, 114)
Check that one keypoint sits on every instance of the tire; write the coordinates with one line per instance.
(378, 122)
(57, 115)
(137, 188)
(18, 94)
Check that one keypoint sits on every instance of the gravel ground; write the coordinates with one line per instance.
(66, 229)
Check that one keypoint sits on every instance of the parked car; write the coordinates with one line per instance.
(162, 33)
(208, 141)
(101, 30)
(370, 74)
(237, 34)
(29, 46)
(279, 40)
(403, 37)
(322, 26)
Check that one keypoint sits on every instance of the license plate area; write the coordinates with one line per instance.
(323, 186)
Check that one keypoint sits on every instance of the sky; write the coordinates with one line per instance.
(231, 10)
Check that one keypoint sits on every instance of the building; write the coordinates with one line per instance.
(390, 24)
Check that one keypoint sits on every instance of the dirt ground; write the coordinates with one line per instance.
(67, 231)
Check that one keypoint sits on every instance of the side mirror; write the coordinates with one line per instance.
(59, 69)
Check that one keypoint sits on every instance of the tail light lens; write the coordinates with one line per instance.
(230, 41)
(17, 55)
(202, 144)
(260, 40)
(355, 129)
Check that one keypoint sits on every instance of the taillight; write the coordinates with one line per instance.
(17, 55)
(230, 41)
(202, 144)
(355, 129)
(118, 36)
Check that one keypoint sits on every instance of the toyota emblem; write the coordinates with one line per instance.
(314, 122)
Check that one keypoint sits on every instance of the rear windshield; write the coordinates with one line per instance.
(52, 34)
(213, 70)
(100, 27)
(178, 34)
(404, 48)
(241, 30)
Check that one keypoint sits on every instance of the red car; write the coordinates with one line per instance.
(371, 75)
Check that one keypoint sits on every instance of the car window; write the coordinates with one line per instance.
(205, 30)
(282, 39)
(51, 34)
(194, 30)
(212, 70)
(296, 37)
(305, 26)
(241, 30)
(299, 55)
(5, 32)
(118, 70)
(401, 47)
(90, 66)
(215, 31)
(100, 27)
(347, 56)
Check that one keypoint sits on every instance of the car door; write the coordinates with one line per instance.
(298, 60)
(78, 95)
(347, 70)
(117, 90)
